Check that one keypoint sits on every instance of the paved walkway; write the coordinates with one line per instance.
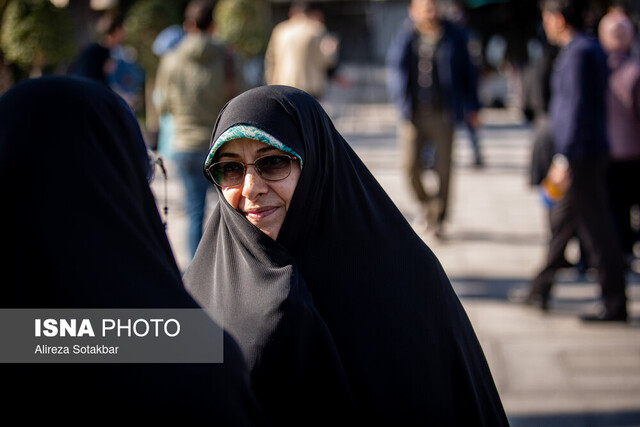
(550, 369)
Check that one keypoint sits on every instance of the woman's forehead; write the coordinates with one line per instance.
(241, 145)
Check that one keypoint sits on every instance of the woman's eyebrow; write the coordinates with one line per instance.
(267, 149)
(221, 155)
(261, 150)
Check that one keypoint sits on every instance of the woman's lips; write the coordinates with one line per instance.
(258, 214)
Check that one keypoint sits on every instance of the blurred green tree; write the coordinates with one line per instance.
(143, 21)
(244, 24)
(36, 34)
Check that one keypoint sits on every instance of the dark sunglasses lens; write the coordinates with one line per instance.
(271, 168)
(227, 174)
(274, 167)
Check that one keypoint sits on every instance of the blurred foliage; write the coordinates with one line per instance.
(244, 24)
(143, 21)
(3, 5)
(35, 34)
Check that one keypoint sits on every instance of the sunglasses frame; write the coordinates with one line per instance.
(244, 169)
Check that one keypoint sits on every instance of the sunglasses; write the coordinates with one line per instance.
(270, 168)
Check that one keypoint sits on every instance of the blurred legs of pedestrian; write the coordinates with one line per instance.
(563, 226)
(195, 185)
(437, 128)
(541, 157)
(475, 144)
(624, 196)
(597, 231)
(563, 229)
(585, 209)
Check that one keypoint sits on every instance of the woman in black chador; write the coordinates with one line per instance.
(82, 230)
(341, 310)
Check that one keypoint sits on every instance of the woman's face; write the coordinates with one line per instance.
(264, 203)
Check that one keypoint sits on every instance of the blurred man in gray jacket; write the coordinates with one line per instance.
(192, 84)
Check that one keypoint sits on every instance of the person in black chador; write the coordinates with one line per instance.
(83, 232)
(338, 305)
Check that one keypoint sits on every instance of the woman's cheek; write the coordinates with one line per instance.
(232, 195)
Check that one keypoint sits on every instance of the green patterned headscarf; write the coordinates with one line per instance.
(250, 132)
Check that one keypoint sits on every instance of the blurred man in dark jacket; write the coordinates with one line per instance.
(434, 84)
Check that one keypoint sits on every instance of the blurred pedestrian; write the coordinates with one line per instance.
(339, 306)
(457, 15)
(631, 9)
(95, 60)
(84, 233)
(536, 95)
(165, 42)
(127, 77)
(193, 83)
(617, 34)
(301, 53)
(535, 100)
(433, 82)
(577, 113)
(167, 39)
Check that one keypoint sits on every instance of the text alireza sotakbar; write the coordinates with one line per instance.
(108, 327)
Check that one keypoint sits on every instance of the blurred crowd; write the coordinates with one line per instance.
(433, 95)
(583, 96)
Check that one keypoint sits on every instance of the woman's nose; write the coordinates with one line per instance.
(253, 184)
